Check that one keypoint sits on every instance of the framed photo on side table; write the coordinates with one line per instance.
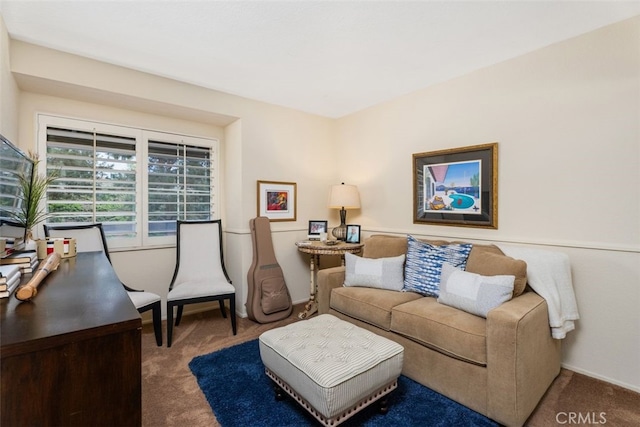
(277, 200)
(353, 233)
(316, 228)
(457, 186)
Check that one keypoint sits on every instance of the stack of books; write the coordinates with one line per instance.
(26, 261)
(9, 279)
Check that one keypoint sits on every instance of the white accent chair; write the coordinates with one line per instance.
(200, 274)
(91, 238)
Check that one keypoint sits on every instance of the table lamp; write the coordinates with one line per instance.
(343, 197)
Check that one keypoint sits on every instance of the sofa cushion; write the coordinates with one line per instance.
(369, 305)
(381, 273)
(382, 245)
(473, 293)
(424, 262)
(492, 262)
(445, 329)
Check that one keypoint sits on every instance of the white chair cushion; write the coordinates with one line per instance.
(141, 299)
(200, 288)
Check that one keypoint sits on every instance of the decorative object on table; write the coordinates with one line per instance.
(65, 246)
(317, 228)
(457, 186)
(30, 290)
(268, 298)
(353, 233)
(33, 190)
(343, 197)
(7, 244)
(277, 200)
(12, 240)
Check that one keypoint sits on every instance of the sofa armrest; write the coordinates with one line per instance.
(522, 358)
(328, 279)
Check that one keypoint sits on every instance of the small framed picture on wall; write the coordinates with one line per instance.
(353, 233)
(277, 200)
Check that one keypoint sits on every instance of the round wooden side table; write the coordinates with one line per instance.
(315, 249)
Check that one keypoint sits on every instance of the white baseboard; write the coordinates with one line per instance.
(602, 378)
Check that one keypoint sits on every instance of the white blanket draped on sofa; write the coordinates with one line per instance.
(549, 275)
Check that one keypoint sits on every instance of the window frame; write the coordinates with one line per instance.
(178, 139)
(142, 137)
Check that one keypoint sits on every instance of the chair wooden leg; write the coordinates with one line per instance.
(157, 322)
(169, 324)
(232, 308)
(222, 309)
(179, 317)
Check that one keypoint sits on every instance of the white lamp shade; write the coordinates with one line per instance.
(344, 196)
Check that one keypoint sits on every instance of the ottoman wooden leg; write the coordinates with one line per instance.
(383, 406)
(280, 395)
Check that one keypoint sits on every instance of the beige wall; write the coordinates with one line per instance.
(567, 121)
(8, 90)
(258, 142)
(566, 118)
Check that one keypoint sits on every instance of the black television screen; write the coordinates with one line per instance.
(13, 163)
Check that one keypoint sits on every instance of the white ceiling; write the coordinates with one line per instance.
(326, 57)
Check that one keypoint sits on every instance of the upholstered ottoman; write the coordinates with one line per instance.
(331, 367)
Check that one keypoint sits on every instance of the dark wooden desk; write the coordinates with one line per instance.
(72, 356)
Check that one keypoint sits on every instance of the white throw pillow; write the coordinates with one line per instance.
(472, 292)
(381, 273)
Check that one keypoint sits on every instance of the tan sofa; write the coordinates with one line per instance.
(500, 366)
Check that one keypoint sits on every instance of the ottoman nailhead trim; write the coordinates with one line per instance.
(340, 418)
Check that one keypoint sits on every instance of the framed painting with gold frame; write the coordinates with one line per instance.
(277, 200)
(457, 186)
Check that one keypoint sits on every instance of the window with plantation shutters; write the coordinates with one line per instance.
(97, 180)
(179, 185)
(135, 182)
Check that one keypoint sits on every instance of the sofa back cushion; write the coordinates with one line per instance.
(486, 260)
(489, 260)
(382, 246)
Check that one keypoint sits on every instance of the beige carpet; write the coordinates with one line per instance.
(171, 396)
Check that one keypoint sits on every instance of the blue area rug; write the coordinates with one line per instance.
(240, 394)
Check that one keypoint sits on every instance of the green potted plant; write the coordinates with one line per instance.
(33, 189)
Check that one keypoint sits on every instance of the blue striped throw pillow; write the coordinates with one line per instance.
(424, 264)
